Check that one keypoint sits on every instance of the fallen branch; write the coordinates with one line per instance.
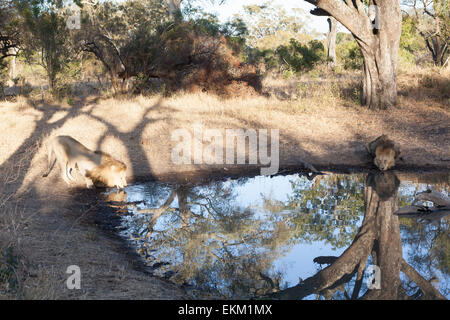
(440, 209)
(437, 198)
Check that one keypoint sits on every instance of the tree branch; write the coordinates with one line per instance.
(426, 287)
(347, 15)
(428, 13)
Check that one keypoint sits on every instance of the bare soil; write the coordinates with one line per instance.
(54, 226)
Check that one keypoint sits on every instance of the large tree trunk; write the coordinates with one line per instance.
(380, 54)
(378, 34)
(379, 83)
(380, 199)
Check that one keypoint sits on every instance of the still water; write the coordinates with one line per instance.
(265, 236)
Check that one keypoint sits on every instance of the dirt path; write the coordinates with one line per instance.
(54, 226)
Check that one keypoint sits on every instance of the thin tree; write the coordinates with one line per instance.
(433, 24)
(45, 34)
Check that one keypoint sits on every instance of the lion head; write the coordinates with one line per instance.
(384, 158)
(111, 173)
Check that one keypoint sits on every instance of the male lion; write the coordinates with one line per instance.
(95, 167)
(384, 152)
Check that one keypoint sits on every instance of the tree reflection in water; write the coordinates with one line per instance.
(223, 247)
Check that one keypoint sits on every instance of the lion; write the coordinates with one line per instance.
(384, 152)
(97, 168)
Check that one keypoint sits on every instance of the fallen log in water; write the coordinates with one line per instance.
(440, 208)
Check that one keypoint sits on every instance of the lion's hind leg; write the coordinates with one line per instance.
(51, 160)
(64, 174)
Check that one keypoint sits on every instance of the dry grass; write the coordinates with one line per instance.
(427, 84)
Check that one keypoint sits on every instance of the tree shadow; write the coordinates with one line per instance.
(44, 126)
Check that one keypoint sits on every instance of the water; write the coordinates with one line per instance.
(252, 237)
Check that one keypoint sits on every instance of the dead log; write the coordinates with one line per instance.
(440, 208)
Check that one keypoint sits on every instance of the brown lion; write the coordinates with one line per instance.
(384, 152)
(97, 168)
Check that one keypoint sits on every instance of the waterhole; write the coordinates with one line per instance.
(334, 236)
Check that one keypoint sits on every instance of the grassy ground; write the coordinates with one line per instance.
(51, 226)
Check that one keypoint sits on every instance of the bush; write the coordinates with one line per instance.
(301, 57)
(193, 56)
(267, 57)
(349, 55)
(406, 59)
(289, 59)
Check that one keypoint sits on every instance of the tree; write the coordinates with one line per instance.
(433, 24)
(377, 32)
(9, 39)
(270, 26)
(45, 34)
(9, 31)
(121, 35)
(331, 36)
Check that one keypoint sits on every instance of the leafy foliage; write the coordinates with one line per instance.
(301, 57)
(270, 26)
(46, 34)
(329, 211)
(348, 52)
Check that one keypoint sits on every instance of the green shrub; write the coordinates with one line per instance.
(301, 57)
(349, 55)
(9, 261)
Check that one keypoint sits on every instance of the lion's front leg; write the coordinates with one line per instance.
(87, 179)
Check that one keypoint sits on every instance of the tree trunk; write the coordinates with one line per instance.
(331, 41)
(380, 199)
(51, 78)
(380, 55)
(436, 49)
(13, 73)
(379, 83)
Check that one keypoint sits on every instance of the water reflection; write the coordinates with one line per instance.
(291, 238)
